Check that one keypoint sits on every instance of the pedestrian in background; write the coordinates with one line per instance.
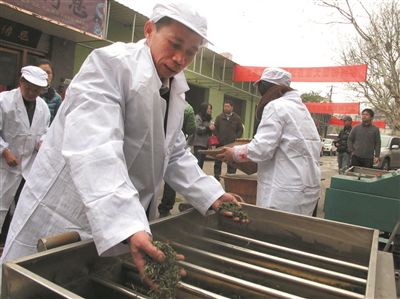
(204, 129)
(24, 119)
(228, 127)
(341, 145)
(364, 141)
(50, 95)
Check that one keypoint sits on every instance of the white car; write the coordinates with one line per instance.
(329, 147)
(390, 153)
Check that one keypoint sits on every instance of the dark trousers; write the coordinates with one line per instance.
(218, 166)
(200, 157)
(167, 200)
(362, 162)
(7, 220)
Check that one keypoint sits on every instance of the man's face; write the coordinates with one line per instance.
(228, 108)
(209, 110)
(30, 91)
(49, 72)
(173, 47)
(366, 117)
(347, 123)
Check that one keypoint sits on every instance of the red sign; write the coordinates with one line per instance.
(348, 73)
(85, 15)
(331, 108)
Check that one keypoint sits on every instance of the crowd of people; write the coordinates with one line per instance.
(95, 163)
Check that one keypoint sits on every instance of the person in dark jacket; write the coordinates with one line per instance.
(50, 95)
(204, 128)
(228, 127)
(364, 141)
(341, 145)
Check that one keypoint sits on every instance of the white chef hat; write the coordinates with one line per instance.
(34, 75)
(276, 76)
(184, 14)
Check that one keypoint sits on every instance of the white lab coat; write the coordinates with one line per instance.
(286, 149)
(105, 156)
(21, 138)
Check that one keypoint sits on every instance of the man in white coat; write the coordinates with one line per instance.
(286, 148)
(24, 119)
(113, 141)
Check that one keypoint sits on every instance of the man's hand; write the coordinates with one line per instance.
(226, 197)
(376, 160)
(10, 158)
(140, 244)
(226, 155)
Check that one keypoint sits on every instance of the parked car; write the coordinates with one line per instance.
(390, 153)
(329, 146)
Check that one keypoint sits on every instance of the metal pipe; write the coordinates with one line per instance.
(194, 63)
(47, 243)
(116, 287)
(283, 276)
(185, 287)
(292, 251)
(284, 261)
(223, 71)
(107, 18)
(201, 59)
(392, 235)
(133, 28)
(199, 291)
(213, 66)
(237, 281)
(370, 291)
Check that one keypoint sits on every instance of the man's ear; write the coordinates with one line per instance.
(149, 27)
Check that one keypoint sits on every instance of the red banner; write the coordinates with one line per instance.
(331, 108)
(338, 122)
(348, 73)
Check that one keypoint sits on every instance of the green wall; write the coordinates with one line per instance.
(216, 98)
(80, 55)
(249, 118)
(119, 32)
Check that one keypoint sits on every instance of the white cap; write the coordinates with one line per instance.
(276, 76)
(184, 14)
(34, 75)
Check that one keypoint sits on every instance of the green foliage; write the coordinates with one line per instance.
(236, 211)
(313, 97)
(165, 275)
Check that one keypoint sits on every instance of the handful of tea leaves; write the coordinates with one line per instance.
(165, 275)
(237, 213)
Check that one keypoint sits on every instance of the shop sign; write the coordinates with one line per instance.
(85, 15)
(18, 33)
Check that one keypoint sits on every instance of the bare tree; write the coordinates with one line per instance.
(378, 45)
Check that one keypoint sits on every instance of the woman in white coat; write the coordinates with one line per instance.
(286, 148)
(24, 119)
(113, 141)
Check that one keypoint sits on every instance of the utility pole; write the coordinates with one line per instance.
(327, 119)
(330, 94)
